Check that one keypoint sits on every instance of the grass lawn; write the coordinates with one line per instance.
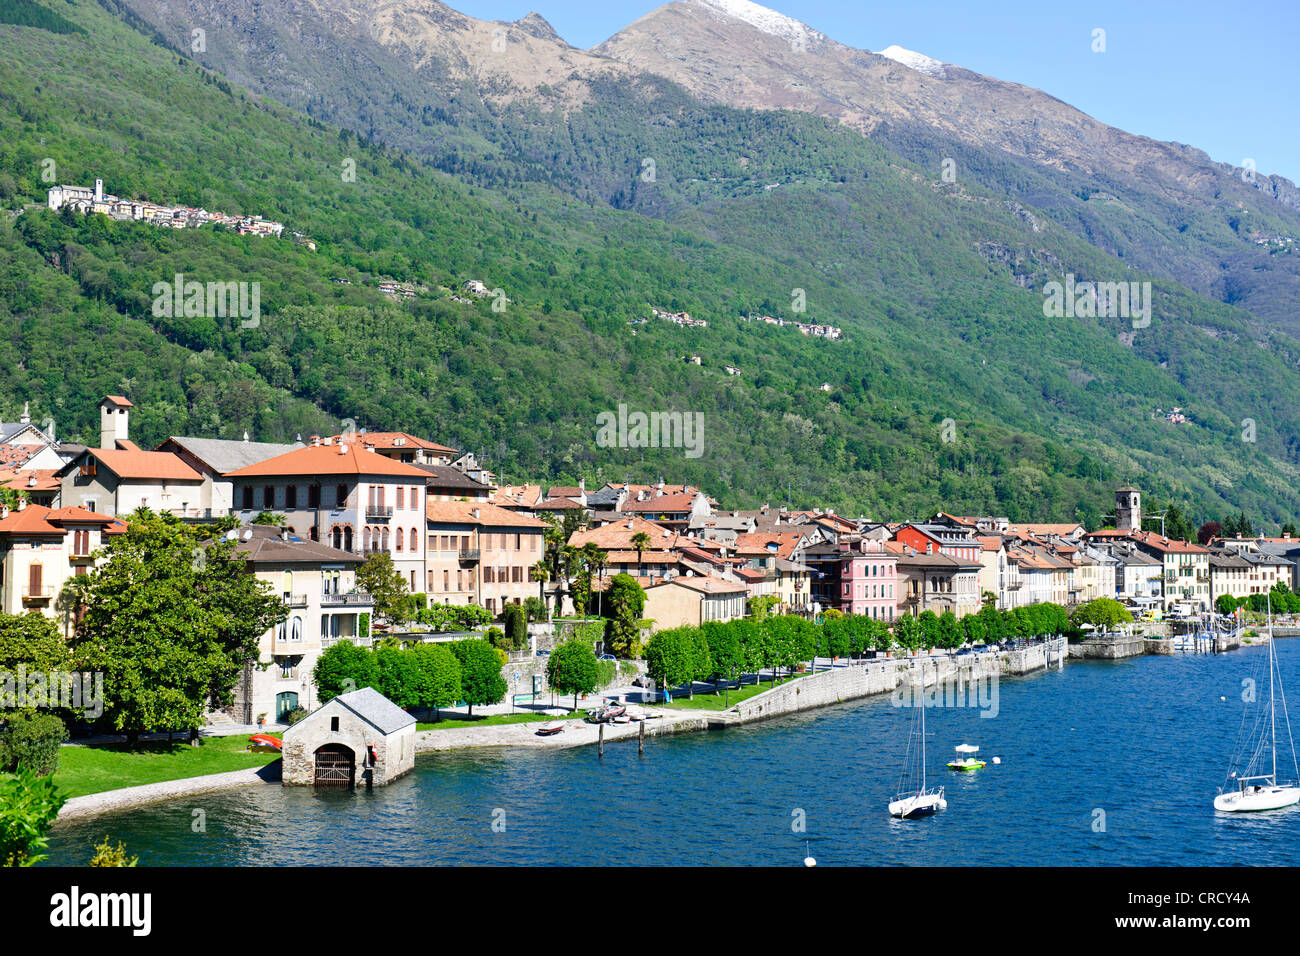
(84, 770)
(494, 720)
(724, 700)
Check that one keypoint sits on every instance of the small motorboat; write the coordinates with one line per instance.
(264, 744)
(967, 760)
(551, 728)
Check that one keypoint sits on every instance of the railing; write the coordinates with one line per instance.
(378, 511)
(191, 512)
(39, 593)
(468, 554)
(351, 597)
(295, 600)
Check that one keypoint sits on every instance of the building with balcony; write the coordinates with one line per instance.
(480, 553)
(317, 584)
(41, 549)
(343, 496)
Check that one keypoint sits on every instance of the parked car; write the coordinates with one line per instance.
(642, 680)
(606, 657)
(543, 653)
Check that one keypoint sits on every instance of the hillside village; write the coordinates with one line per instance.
(459, 537)
(87, 200)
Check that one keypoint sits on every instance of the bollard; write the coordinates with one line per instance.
(600, 740)
(640, 746)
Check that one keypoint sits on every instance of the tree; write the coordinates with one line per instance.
(1177, 525)
(480, 678)
(440, 673)
(540, 573)
(625, 601)
(516, 627)
(908, 633)
(725, 654)
(269, 517)
(951, 634)
(640, 541)
(170, 633)
(342, 668)
(32, 640)
(379, 578)
(670, 657)
(571, 668)
(1104, 613)
(401, 679)
(929, 622)
(1227, 604)
(29, 805)
(1208, 531)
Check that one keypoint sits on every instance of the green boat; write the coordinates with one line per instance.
(966, 760)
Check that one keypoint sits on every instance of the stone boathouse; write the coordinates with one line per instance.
(360, 737)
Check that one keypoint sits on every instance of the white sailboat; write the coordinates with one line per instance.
(920, 802)
(1262, 791)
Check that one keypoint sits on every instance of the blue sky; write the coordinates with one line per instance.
(1217, 76)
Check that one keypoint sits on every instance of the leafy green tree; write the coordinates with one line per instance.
(269, 517)
(571, 668)
(908, 633)
(951, 634)
(32, 640)
(379, 578)
(342, 668)
(171, 634)
(670, 657)
(624, 602)
(516, 633)
(480, 673)
(725, 654)
(541, 573)
(1227, 604)
(29, 806)
(440, 673)
(640, 541)
(1105, 613)
(930, 633)
(401, 679)
(973, 625)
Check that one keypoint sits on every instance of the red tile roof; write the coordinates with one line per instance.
(489, 515)
(346, 459)
(159, 465)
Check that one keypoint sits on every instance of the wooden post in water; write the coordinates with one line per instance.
(600, 740)
(640, 744)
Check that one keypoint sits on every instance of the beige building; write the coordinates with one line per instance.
(318, 586)
(693, 600)
(358, 739)
(480, 553)
(41, 549)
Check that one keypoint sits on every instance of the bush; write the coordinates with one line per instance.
(535, 608)
(32, 741)
(516, 636)
(293, 716)
(108, 855)
(606, 671)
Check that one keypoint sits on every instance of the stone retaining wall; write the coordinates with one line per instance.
(109, 800)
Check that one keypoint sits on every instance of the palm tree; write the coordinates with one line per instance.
(595, 561)
(540, 573)
(640, 541)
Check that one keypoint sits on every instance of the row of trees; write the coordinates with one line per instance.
(718, 651)
(425, 676)
(1281, 598)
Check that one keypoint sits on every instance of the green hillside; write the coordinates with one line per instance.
(929, 284)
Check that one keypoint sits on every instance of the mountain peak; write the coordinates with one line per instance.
(764, 19)
(537, 25)
(915, 61)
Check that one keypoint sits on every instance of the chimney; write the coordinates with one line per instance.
(659, 488)
(475, 512)
(26, 418)
(245, 437)
(113, 421)
(4, 511)
(22, 504)
(343, 449)
(315, 441)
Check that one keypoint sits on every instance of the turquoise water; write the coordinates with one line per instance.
(1147, 741)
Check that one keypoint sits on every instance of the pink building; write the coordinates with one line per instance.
(868, 579)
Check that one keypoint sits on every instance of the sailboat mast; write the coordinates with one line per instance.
(1272, 706)
(923, 727)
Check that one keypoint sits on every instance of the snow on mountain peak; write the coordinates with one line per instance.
(915, 61)
(761, 18)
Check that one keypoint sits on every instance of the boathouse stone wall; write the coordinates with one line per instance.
(393, 753)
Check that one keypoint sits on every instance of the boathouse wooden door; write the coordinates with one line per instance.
(335, 766)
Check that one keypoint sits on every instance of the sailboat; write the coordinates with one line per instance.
(920, 802)
(1262, 791)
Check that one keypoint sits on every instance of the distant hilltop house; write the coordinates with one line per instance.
(679, 318)
(732, 370)
(1174, 415)
(86, 200)
(821, 331)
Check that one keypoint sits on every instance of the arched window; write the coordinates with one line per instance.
(415, 540)
(384, 540)
(336, 538)
(295, 629)
(365, 539)
(401, 535)
(347, 539)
